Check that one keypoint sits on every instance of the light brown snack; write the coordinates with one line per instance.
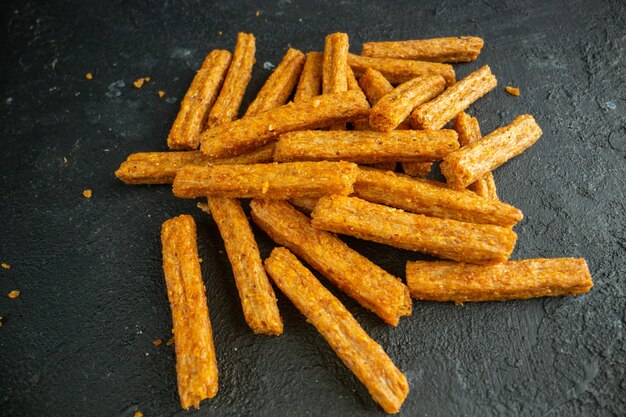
(394, 107)
(161, 167)
(514, 91)
(457, 98)
(444, 238)
(310, 83)
(304, 204)
(278, 87)
(459, 282)
(462, 49)
(469, 131)
(89, 76)
(196, 366)
(270, 181)
(87, 193)
(398, 71)
(249, 133)
(360, 353)
(432, 198)
(375, 86)
(257, 296)
(195, 107)
(334, 76)
(417, 169)
(353, 85)
(14, 294)
(366, 147)
(228, 102)
(472, 162)
(352, 273)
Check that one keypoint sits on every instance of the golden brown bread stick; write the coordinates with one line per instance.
(270, 181)
(334, 76)
(472, 162)
(161, 167)
(529, 278)
(462, 49)
(394, 107)
(352, 273)
(257, 296)
(196, 366)
(360, 353)
(432, 198)
(278, 87)
(398, 71)
(366, 147)
(304, 204)
(310, 83)
(249, 133)
(353, 85)
(417, 169)
(228, 102)
(457, 98)
(190, 121)
(444, 238)
(469, 131)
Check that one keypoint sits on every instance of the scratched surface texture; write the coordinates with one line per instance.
(78, 341)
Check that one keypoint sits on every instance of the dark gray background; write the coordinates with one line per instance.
(79, 339)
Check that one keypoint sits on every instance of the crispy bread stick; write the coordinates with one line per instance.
(469, 131)
(417, 169)
(398, 71)
(249, 133)
(351, 272)
(185, 132)
(463, 49)
(394, 107)
(334, 75)
(450, 239)
(257, 296)
(366, 147)
(278, 87)
(310, 83)
(530, 278)
(304, 204)
(270, 181)
(457, 98)
(432, 198)
(360, 353)
(196, 366)
(228, 102)
(472, 162)
(161, 167)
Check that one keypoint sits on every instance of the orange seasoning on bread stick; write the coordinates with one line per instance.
(310, 83)
(398, 71)
(462, 49)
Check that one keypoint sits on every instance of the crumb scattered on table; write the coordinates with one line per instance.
(138, 83)
(87, 193)
(170, 342)
(514, 91)
(65, 160)
(5, 265)
(89, 76)
(157, 342)
(14, 294)
(138, 414)
(258, 13)
(161, 93)
(220, 33)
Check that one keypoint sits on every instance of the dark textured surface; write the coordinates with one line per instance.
(79, 339)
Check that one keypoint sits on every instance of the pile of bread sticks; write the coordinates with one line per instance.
(332, 152)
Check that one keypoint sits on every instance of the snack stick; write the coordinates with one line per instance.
(270, 181)
(459, 282)
(161, 167)
(360, 353)
(385, 166)
(432, 198)
(375, 86)
(472, 162)
(278, 87)
(366, 147)
(462, 49)
(352, 273)
(249, 133)
(394, 107)
(353, 85)
(304, 204)
(334, 76)
(257, 296)
(417, 169)
(310, 83)
(398, 71)
(444, 238)
(196, 366)
(469, 131)
(190, 121)
(228, 102)
(457, 98)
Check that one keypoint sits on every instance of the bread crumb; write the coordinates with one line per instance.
(199, 260)
(258, 13)
(161, 93)
(220, 33)
(5, 265)
(138, 83)
(138, 414)
(14, 294)
(1, 321)
(65, 160)
(157, 342)
(87, 193)
(514, 91)
(170, 342)
(89, 76)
